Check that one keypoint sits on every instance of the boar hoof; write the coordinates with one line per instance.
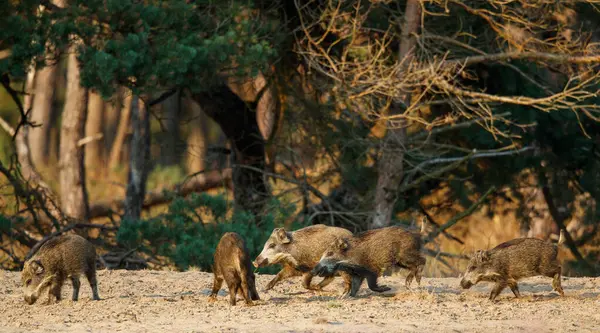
(212, 298)
(381, 289)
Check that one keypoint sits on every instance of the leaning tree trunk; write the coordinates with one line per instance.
(73, 192)
(139, 160)
(93, 131)
(390, 164)
(41, 113)
(239, 124)
(124, 125)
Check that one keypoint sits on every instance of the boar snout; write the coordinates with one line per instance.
(30, 299)
(466, 284)
(260, 262)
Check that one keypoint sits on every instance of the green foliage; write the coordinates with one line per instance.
(183, 236)
(146, 46)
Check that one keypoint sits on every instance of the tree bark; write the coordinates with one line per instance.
(119, 142)
(390, 164)
(111, 122)
(138, 162)
(73, 192)
(41, 113)
(93, 127)
(170, 148)
(195, 156)
(239, 124)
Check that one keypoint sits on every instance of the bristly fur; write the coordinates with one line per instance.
(59, 258)
(299, 251)
(513, 260)
(368, 254)
(232, 264)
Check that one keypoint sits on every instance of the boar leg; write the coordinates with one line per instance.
(243, 287)
(76, 284)
(514, 288)
(347, 282)
(217, 283)
(252, 285)
(54, 291)
(355, 285)
(500, 285)
(233, 283)
(325, 282)
(556, 284)
(284, 273)
(91, 277)
(372, 283)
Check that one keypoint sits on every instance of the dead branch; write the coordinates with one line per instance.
(198, 183)
(459, 216)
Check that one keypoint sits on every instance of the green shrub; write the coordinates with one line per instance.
(182, 236)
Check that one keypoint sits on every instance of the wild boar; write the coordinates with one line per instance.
(232, 263)
(59, 258)
(513, 260)
(299, 251)
(371, 253)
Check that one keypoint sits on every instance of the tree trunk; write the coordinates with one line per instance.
(138, 163)
(93, 128)
(390, 164)
(195, 155)
(41, 113)
(111, 122)
(73, 192)
(170, 148)
(239, 124)
(122, 130)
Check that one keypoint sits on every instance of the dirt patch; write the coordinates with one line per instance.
(152, 301)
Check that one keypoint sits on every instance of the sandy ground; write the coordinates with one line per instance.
(155, 301)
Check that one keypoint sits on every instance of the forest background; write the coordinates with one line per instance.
(152, 127)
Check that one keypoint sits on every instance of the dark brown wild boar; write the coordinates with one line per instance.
(59, 258)
(513, 260)
(232, 263)
(369, 254)
(299, 251)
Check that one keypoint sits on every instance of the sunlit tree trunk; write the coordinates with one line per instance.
(41, 113)
(196, 142)
(139, 160)
(119, 142)
(93, 127)
(112, 114)
(73, 192)
(390, 163)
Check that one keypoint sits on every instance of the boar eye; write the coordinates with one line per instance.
(28, 282)
(272, 245)
(472, 268)
(329, 254)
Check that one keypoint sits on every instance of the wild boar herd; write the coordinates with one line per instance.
(317, 250)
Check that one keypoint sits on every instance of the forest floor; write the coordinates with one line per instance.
(163, 301)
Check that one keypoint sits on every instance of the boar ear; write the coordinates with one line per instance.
(482, 256)
(283, 236)
(341, 244)
(37, 267)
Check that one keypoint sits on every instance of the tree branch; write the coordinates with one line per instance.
(460, 216)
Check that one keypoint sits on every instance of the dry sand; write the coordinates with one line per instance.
(160, 301)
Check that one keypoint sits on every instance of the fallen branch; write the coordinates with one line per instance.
(199, 183)
(460, 216)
